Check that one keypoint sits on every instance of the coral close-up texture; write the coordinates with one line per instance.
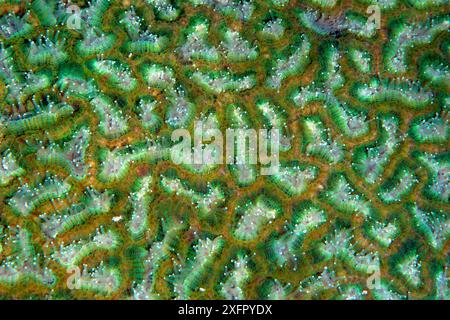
(225, 149)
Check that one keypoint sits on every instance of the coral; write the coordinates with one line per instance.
(99, 199)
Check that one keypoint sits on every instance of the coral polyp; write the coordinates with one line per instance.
(120, 124)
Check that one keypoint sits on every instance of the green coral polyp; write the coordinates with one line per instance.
(157, 76)
(141, 199)
(342, 195)
(408, 93)
(430, 129)
(293, 61)
(383, 232)
(72, 254)
(437, 166)
(360, 59)
(370, 160)
(398, 186)
(166, 10)
(254, 215)
(47, 51)
(28, 198)
(13, 27)
(93, 203)
(117, 73)
(187, 278)
(23, 265)
(287, 247)
(435, 226)
(318, 143)
(39, 118)
(294, 178)
(204, 202)
(223, 81)
(74, 84)
(232, 287)
(117, 162)
(70, 156)
(112, 123)
(95, 43)
(10, 168)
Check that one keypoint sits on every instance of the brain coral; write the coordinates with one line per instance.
(93, 206)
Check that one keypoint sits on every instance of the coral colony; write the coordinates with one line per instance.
(225, 149)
